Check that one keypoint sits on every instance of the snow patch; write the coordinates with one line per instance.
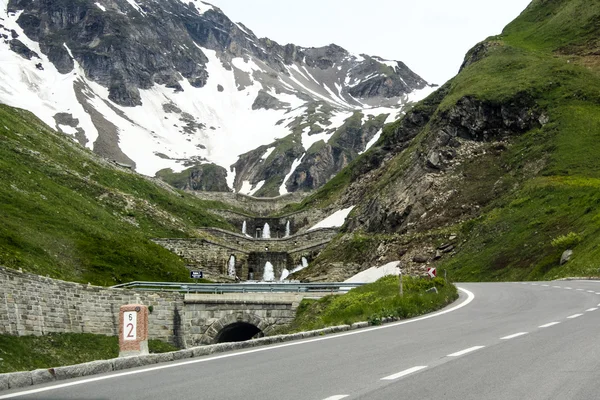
(135, 5)
(295, 164)
(335, 220)
(200, 6)
(375, 273)
(268, 153)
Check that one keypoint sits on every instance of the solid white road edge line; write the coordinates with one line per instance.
(338, 397)
(516, 335)
(465, 351)
(549, 325)
(404, 373)
(470, 298)
(574, 316)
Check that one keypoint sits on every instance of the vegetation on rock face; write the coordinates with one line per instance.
(68, 214)
(26, 353)
(374, 302)
(520, 173)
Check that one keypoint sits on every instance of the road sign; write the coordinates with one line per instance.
(196, 274)
(431, 272)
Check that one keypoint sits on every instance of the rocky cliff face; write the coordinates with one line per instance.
(175, 83)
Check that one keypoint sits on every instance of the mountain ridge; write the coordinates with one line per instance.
(155, 86)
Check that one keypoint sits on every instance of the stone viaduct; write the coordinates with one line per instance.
(244, 254)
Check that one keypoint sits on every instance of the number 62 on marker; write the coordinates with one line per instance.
(130, 325)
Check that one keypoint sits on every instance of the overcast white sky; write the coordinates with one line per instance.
(430, 36)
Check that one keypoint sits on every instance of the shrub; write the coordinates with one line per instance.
(568, 241)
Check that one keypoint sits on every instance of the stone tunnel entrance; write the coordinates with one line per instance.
(238, 332)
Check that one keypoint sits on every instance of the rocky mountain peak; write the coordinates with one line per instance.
(174, 84)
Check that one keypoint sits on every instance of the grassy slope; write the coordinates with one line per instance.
(26, 353)
(373, 302)
(541, 54)
(546, 54)
(68, 214)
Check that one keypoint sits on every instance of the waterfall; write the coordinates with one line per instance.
(231, 267)
(269, 274)
(266, 234)
(301, 267)
(287, 229)
(284, 274)
(244, 228)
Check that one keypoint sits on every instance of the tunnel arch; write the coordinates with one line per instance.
(235, 328)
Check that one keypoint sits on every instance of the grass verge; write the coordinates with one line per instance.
(26, 353)
(373, 302)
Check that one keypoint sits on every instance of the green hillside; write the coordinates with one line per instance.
(68, 214)
(536, 192)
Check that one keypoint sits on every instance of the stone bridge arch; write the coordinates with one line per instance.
(236, 327)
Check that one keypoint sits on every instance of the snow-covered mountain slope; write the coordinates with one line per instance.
(171, 85)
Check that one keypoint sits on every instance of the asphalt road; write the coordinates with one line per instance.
(498, 341)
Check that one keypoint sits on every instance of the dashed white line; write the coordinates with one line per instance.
(546, 285)
(549, 325)
(569, 288)
(580, 290)
(591, 309)
(597, 292)
(574, 316)
(338, 397)
(514, 336)
(404, 373)
(465, 351)
(535, 284)
(591, 291)
(557, 287)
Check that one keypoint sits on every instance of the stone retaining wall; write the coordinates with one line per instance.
(213, 256)
(256, 205)
(34, 305)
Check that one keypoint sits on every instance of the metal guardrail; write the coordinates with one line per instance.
(220, 288)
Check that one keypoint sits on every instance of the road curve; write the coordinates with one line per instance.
(512, 341)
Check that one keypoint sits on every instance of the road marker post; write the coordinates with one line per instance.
(133, 330)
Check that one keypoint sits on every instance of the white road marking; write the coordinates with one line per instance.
(535, 284)
(591, 309)
(514, 336)
(549, 325)
(597, 292)
(591, 291)
(569, 288)
(462, 352)
(404, 373)
(338, 397)
(574, 316)
(580, 290)
(470, 298)
(546, 285)
(557, 287)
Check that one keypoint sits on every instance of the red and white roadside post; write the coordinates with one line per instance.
(133, 330)
(431, 272)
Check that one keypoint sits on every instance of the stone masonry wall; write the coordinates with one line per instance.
(256, 205)
(212, 256)
(34, 305)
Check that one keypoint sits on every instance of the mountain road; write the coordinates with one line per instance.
(530, 340)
